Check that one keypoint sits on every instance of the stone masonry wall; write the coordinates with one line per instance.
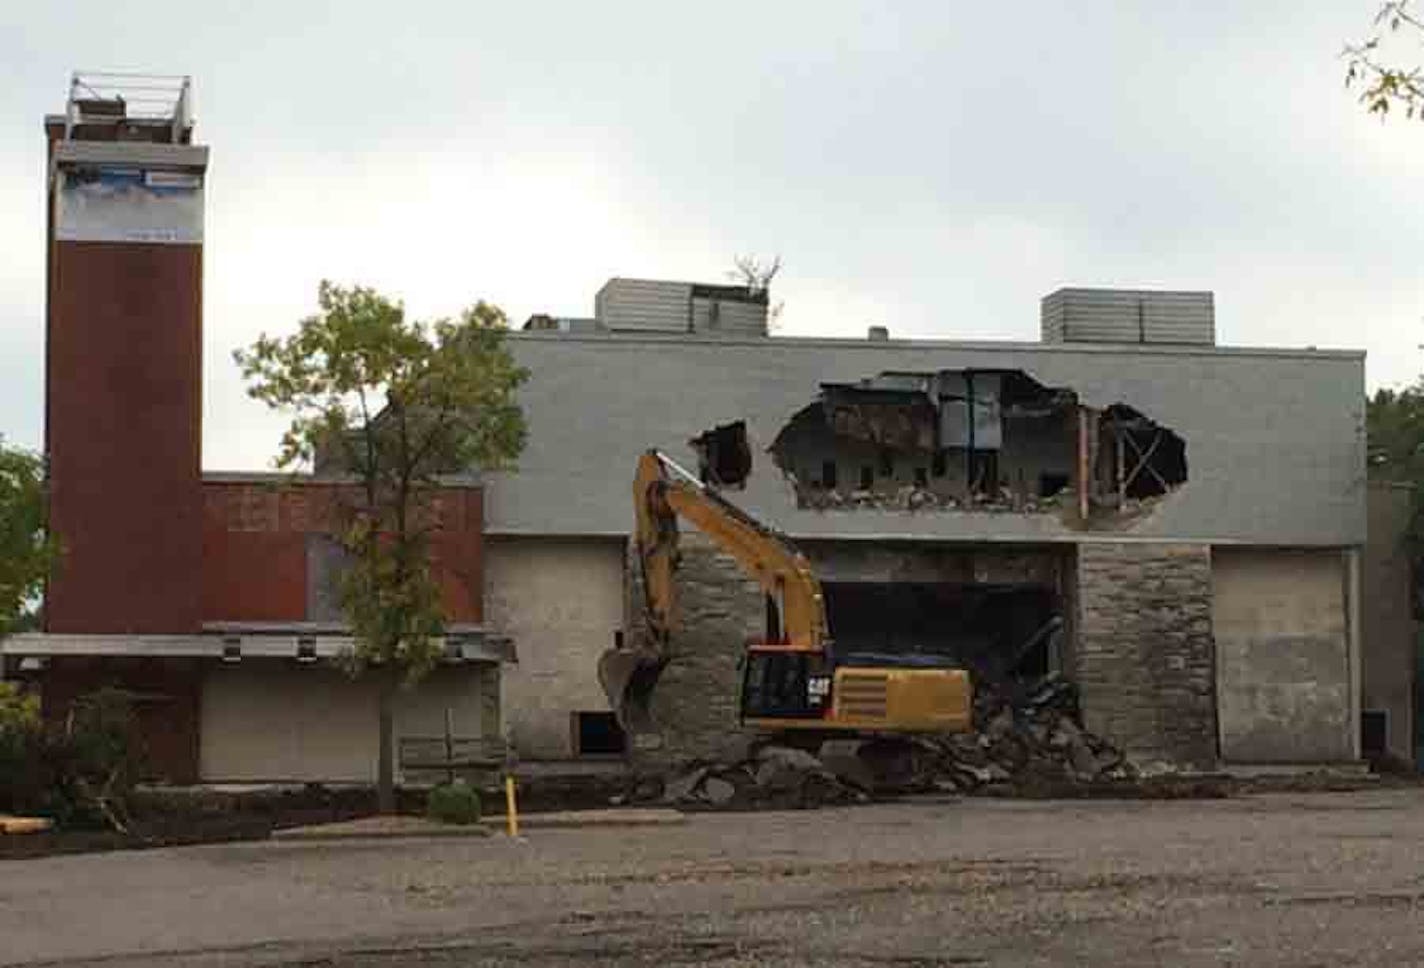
(695, 702)
(1144, 651)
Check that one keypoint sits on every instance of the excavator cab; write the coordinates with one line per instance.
(781, 683)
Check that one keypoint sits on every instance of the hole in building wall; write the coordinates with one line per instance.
(1147, 459)
(724, 458)
(992, 440)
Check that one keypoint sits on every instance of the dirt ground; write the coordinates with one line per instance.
(1275, 879)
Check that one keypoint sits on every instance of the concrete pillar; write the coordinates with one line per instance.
(1354, 645)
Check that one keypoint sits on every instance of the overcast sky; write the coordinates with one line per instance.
(935, 167)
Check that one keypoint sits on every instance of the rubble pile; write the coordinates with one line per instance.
(768, 777)
(1026, 741)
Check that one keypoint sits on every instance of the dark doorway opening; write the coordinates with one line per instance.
(598, 734)
(1374, 733)
(999, 632)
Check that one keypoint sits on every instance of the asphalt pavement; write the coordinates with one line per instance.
(1275, 879)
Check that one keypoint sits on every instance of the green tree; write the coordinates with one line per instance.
(397, 404)
(25, 549)
(1373, 66)
(1394, 421)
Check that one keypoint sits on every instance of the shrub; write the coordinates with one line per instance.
(19, 743)
(80, 772)
(456, 802)
(93, 761)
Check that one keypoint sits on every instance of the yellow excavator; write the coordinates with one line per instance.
(796, 684)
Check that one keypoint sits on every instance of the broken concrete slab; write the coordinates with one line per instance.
(678, 789)
(719, 792)
(790, 757)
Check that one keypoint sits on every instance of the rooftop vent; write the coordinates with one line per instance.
(1162, 317)
(878, 334)
(660, 306)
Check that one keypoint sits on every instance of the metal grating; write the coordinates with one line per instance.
(862, 695)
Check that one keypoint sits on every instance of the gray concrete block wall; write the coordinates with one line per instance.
(561, 600)
(1275, 439)
(1282, 634)
(1144, 653)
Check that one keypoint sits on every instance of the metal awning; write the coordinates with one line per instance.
(235, 641)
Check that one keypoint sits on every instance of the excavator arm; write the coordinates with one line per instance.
(663, 492)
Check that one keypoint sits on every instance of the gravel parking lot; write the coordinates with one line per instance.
(1276, 879)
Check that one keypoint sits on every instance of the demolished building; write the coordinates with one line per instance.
(1185, 517)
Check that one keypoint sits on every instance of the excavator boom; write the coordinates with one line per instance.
(662, 492)
(791, 681)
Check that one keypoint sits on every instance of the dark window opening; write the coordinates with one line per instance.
(984, 473)
(887, 464)
(773, 621)
(867, 477)
(938, 466)
(1051, 485)
(598, 734)
(922, 477)
(828, 474)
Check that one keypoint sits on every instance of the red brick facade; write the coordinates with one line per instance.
(256, 561)
(122, 429)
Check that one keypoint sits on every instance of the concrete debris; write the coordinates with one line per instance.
(679, 788)
(1026, 739)
(914, 498)
(1026, 742)
(771, 778)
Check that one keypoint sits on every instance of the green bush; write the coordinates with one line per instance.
(19, 746)
(93, 761)
(456, 802)
(80, 771)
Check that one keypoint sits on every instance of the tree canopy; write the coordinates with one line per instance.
(1395, 427)
(25, 549)
(1383, 80)
(395, 406)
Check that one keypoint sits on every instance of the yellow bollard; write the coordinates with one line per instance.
(511, 810)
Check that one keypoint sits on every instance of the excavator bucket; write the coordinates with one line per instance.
(628, 678)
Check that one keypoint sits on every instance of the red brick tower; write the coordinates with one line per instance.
(124, 357)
